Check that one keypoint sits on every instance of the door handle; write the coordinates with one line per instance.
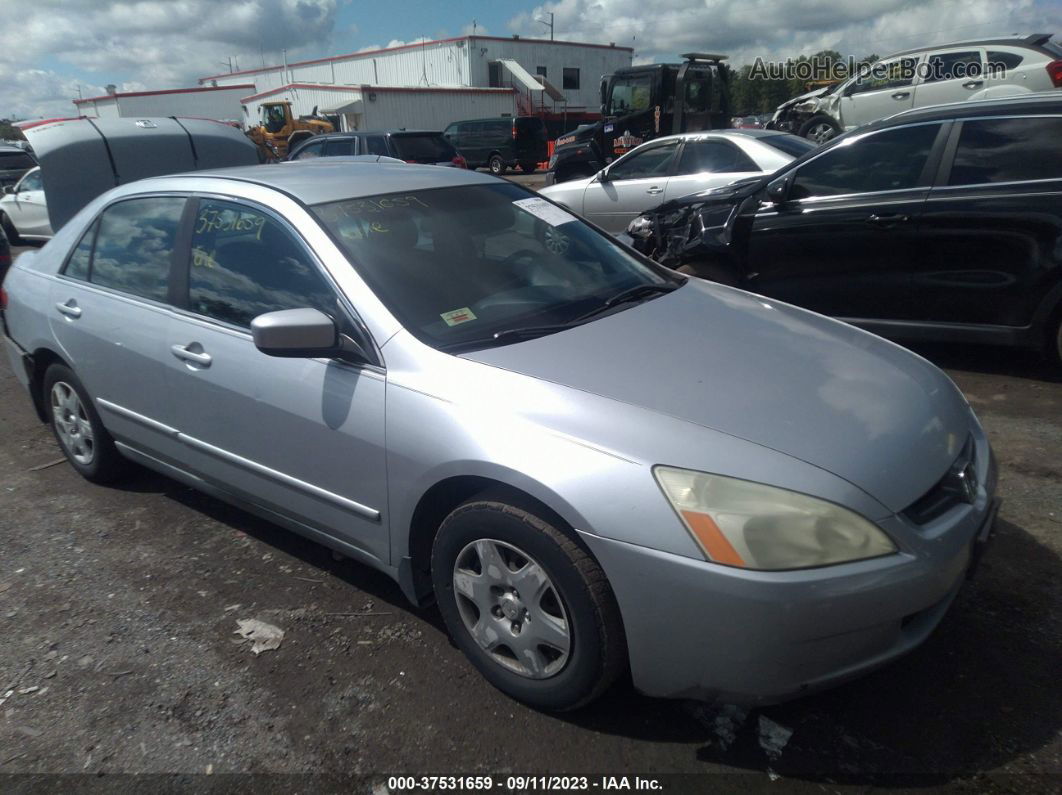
(182, 352)
(887, 221)
(70, 308)
(901, 95)
(972, 84)
(654, 189)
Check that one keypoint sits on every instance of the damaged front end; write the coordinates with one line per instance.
(702, 226)
(791, 116)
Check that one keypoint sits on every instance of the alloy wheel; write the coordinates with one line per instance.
(72, 423)
(821, 132)
(555, 241)
(510, 607)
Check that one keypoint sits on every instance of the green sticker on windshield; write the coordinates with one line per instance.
(456, 317)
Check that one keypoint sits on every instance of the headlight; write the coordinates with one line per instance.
(640, 227)
(753, 526)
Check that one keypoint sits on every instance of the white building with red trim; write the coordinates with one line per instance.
(222, 103)
(426, 85)
(430, 84)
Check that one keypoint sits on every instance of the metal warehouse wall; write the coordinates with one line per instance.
(221, 105)
(592, 63)
(431, 110)
(106, 108)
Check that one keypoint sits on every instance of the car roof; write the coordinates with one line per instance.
(730, 132)
(329, 179)
(1035, 41)
(351, 133)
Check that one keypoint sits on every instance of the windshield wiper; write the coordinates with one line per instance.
(509, 335)
(628, 295)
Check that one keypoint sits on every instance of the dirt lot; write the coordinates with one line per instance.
(118, 607)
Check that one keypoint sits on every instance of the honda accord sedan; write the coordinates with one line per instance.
(388, 360)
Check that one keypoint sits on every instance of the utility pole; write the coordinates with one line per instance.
(550, 23)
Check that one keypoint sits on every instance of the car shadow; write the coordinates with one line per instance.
(980, 693)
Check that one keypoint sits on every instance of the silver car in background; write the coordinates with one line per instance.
(388, 360)
(673, 166)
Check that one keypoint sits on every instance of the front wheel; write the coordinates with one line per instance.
(496, 164)
(77, 427)
(820, 129)
(527, 605)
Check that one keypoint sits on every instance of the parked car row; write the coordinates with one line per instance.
(775, 505)
(670, 167)
(943, 223)
(972, 70)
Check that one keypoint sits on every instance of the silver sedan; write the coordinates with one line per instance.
(388, 360)
(673, 166)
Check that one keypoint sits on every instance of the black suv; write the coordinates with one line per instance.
(413, 146)
(501, 143)
(943, 223)
(14, 163)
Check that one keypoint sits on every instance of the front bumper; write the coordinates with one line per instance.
(703, 631)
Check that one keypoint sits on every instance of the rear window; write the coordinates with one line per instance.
(790, 144)
(1008, 150)
(16, 160)
(531, 127)
(425, 148)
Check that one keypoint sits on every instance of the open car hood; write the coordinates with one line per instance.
(82, 158)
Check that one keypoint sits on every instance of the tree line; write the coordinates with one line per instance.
(753, 95)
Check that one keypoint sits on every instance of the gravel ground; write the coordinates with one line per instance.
(118, 608)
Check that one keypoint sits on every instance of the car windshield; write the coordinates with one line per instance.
(790, 144)
(422, 147)
(459, 265)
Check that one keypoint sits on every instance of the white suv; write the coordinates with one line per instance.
(984, 69)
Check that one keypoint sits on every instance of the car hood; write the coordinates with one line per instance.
(812, 388)
(83, 158)
(818, 92)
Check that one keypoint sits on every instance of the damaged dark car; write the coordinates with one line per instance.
(939, 224)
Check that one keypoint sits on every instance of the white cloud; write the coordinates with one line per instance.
(744, 29)
(147, 43)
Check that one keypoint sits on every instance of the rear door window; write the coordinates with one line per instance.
(953, 65)
(77, 267)
(533, 128)
(374, 145)
(311, 150)
(888, 160)
(427, 148)
(1008, 150)
(245, 263)
(717, 156)
(337, 147)
(134, 246)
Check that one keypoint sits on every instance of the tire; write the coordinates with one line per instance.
(9, 230)
(528, 168)
(78, 429)
(819, 129)
(573, 613)
(710, 271)
(496, 164)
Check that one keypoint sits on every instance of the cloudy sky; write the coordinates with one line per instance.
(52, 49)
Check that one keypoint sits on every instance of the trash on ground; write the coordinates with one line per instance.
(265, 636)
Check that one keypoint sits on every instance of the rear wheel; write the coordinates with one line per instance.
(527, 605)
(528, 168)
(1054, 341)
(496, 164)
(78, 429)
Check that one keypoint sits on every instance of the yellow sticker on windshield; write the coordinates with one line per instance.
(458, 316)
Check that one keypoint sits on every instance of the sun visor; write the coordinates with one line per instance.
(82, 158)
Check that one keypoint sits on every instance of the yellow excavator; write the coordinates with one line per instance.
(278, 129)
